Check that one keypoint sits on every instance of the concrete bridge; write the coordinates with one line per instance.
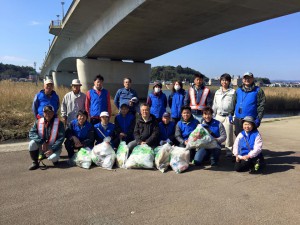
(115, 38)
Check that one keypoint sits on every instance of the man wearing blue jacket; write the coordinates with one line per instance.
(167, 130)
(127, 96)
(47, 96)
(250, 101)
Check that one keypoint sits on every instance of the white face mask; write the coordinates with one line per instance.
(177, 87)
(156, 89)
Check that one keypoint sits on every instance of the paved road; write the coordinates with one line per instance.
(66, 195)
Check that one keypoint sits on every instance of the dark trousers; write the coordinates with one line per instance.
(238, 126)
(95, 121)
(70, 147)
(244, 166)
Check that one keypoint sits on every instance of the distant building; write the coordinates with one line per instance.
(236, 81)
(214, 82)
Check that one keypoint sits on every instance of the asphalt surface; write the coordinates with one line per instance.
(72, 195)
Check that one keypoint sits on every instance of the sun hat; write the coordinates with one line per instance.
(76, 82)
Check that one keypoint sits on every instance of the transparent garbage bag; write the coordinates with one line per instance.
(200, 138)
(103, 154)
(142, 156)
(122, 154)
(162, 157)
(83, 158)
(180, 159)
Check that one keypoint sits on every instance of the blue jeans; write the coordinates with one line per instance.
(205, 154)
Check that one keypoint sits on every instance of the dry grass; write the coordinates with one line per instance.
(282, 99)
(16, 116)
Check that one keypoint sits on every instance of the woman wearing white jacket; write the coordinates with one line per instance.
(223, 107)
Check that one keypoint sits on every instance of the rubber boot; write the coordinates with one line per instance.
(35, 158)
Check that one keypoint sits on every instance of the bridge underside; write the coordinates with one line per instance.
(140, 30)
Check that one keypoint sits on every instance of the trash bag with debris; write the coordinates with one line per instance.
(180, 159)
(122, 154)
(103, 155)
(162, 157)
(200, 138)
(83, 158)
(142, 156)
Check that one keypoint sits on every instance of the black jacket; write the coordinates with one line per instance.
(147, 131)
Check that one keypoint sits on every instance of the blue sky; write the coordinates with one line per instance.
(268, 49)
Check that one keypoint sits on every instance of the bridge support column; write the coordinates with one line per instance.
(114, 72)
(63, 78)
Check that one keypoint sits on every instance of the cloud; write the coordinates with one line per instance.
(15, 60)
(34, 23)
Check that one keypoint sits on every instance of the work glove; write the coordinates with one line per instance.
(162, 142)
(257, 122)
(230, 119)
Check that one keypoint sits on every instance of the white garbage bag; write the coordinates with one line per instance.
(180, 159)
(200, 138)
(83, 158)
(122, 154)
(103, 155)
(142, 156)
(162, 157)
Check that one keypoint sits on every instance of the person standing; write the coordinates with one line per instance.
(250, 101)
(198, 97)
(157, 101)
(46, 135)
(223, 107)
(176, 100)
(127, 96)
(47, 96)
(97, 100)
(72, 103)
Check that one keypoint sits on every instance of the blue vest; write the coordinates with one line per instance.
(108, 132)
(246, 103)
(80, 132)
(98, 103)
(44, 100)
(243, 147)
(214, 126)
(165, 131)
(158, 104)
(177, 103)
(125, 122)
(187, 128)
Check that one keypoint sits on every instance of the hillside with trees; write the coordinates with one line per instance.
(12, 71)
(172, 73)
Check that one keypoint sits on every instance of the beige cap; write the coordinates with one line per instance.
(76, 82)
(104, 114)
(48, 81)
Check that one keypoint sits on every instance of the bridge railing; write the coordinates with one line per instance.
(55, 27)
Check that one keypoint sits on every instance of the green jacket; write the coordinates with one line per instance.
(34, 135)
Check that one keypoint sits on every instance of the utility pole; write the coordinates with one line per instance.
(62, 8)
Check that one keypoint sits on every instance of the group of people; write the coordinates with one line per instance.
(85, 120)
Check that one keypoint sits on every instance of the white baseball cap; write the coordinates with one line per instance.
(48, 81)
(104, 114)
